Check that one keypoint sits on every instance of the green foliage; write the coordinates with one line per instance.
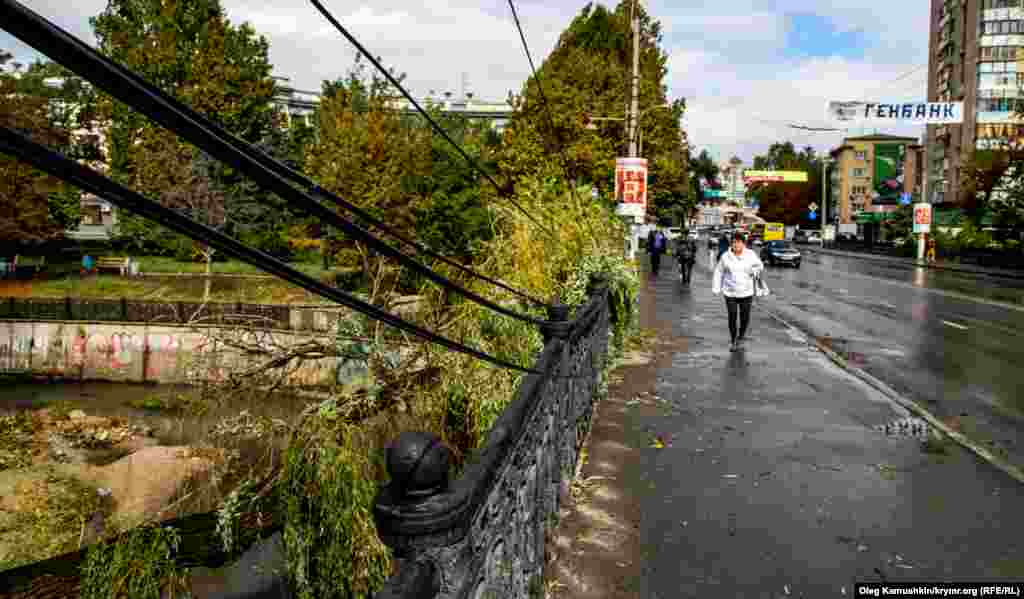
(332, 547)
(16, 432)
(35, 207)
(623, 286)
(788, 202)
(584, 75)
(138, 565)
(51, 510)
(189, 49)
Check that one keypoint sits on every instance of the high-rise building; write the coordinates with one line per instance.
(975, 56)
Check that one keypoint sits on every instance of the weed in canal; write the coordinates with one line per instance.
(185, 403)
(333, 550)
(139, 565)
(16, 432)
(49, 513)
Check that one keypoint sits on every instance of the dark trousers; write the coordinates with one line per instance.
(655, 262)
(686, 268)
(742, 305)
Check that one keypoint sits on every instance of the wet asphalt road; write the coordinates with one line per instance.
(953, 342)
(775, 480)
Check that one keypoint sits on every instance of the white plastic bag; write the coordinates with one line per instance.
(760, 287)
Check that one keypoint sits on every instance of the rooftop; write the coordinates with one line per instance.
(881, 137)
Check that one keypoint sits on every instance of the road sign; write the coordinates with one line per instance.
(905, 198)
(813, 215)
(813, 207)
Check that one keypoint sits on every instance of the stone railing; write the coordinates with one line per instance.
(483, 534)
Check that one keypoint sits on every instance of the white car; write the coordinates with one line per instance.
(814, 238)
(693, 235)
(673, 233)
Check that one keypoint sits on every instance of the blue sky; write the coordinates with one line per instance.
(813, 35)
(746, 67)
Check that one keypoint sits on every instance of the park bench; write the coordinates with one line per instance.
(120, 263)
(21, 266)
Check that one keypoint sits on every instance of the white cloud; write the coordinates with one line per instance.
(726, 57)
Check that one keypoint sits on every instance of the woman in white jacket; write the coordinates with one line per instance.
(734, 278)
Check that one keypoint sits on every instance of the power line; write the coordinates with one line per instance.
(48, 38)
(279, 168)
(503, 191)
(547, 105)
(57, 165)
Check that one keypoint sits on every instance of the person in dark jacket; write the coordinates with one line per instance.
(686, 253)
(657, 244)
(723, 246)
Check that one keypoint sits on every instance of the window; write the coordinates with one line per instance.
(859, 172)
(91, 215)
(861, 155)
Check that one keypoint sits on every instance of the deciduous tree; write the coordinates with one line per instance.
(52, 107)
(189, 49)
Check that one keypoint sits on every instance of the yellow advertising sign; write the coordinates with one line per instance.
(775, 176)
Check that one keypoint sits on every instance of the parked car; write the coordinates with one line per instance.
(800, 237)
(814, 237)
(673, 233)
(780, 252)
(693, 235)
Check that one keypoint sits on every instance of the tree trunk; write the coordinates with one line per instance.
(209, 271)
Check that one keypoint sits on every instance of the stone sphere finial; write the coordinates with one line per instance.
(418, 464)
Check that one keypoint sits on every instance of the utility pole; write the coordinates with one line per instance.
(634, 104)
(824, 198)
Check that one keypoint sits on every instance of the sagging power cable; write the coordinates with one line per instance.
(503, 191)
(51, 40)
(547, 105)
(58, 165)
(281, 169)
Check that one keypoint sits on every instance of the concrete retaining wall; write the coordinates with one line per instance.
(138, 353)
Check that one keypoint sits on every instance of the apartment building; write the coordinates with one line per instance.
(976, 56)
(869, 177)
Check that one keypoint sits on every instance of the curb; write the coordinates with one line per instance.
(889, 260)
(1013, 471)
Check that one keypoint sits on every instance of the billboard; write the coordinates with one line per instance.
(888, 182)
(775, 176)
(922, 218)
(714, 193)
(894, 113)
(631, 186)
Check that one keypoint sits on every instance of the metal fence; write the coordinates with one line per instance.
(482, 534)
(140, 311)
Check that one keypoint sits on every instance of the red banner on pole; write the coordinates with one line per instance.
(631, 185)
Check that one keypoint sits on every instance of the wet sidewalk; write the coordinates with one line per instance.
(768, 473)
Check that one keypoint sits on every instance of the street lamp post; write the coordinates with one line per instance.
(639, 127)
(824, 197)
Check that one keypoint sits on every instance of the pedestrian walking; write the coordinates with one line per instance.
(686, 253)
(711, 250)
(930, 247)
(723, 246)
(657, 243)
(734, 278)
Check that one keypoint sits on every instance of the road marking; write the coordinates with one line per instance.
(932, 290)
(953, 324)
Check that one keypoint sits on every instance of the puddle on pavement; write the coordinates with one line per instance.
(857, 354)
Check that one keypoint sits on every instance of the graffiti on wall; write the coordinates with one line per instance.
(143, 353)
